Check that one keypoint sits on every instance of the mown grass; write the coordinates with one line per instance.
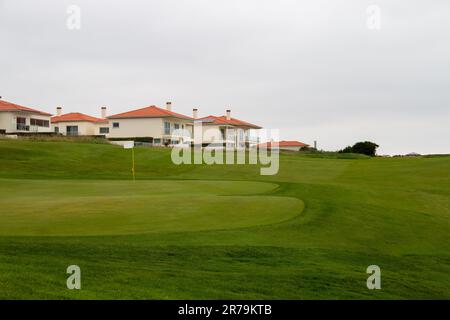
(393, 212)
(61, 208)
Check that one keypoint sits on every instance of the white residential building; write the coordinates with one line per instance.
(150, 124)
(156, 124)
(16, 119)
(284, 145)
(79, 124)
(226, 131)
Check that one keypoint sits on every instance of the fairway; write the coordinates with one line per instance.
(220, 232)
(77, 208)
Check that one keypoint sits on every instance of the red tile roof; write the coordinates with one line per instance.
(76, 116)
(223, 120)
(8, 106)
(284, 144)
(149, 112)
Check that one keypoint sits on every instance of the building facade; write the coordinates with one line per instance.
(284, 145)
(79, 124)
(152, 124)
(16, 119)
(157, 125)
(227, 131)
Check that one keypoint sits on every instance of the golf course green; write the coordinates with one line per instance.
(220, 231)
(43, 207)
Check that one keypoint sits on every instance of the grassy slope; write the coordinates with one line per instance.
(391, 212)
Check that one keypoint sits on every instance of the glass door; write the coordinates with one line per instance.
(72, 130)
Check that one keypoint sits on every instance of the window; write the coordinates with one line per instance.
(104, 130)
(56, 129)
(115, 125)
(39, 123)
(166, 127)
(241, 135)
(157, 141)
(72, 130)
(176, 126)
(21, 120)
(231, 134)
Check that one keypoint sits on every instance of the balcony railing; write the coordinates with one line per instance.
(23, 127)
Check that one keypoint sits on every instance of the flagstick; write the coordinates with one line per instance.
(130, 145)
(132, 165)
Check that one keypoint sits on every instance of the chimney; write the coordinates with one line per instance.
(195, 113)
(228, 114)
(103, 112)
(169, 106)
(58, 111)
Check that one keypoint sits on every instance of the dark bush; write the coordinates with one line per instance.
(346, 150)
(368, 148)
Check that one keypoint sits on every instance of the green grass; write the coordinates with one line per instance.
(77, 208)
(211, 232)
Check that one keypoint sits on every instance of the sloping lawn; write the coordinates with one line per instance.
(198, 231)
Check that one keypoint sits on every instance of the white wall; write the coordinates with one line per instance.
(143, 127)
(136, 127)
(212, 134)
(8, 121)
(290, 148)
(85, 128)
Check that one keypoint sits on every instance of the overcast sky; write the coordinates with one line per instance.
(312, 69)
